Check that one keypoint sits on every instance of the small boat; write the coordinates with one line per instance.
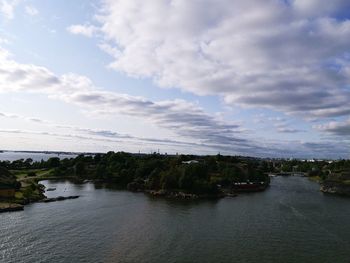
(50, 189)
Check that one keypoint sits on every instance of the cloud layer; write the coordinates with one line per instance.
(7, 8)
(337, 128)
(85, 30)
(196, 131)
(289, 56)
(183, 118)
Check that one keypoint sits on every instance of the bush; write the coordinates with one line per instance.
(169, 179)
(31, 174)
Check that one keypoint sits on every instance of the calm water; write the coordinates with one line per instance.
(13, 156)
(290, 222)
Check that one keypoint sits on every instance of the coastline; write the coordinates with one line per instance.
(19, 204)
(335, 188)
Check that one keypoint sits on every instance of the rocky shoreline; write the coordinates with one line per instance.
(187, 196)
(10, 207)
(334, 187)
(59, 198)
(171, 194)
(181, 194)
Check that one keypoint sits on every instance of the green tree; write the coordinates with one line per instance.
(53, 162)
(79, 168)
(169, 179)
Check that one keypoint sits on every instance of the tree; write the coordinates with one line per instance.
(53, 162)
(28, 162)
(79, 168)
(101, 171)
(154, 179)
(169, 179)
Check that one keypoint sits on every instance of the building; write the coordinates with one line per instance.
(190, 162)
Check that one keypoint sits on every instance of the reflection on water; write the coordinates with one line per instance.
(290, 222)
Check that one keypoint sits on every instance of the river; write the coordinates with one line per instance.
(289, 222)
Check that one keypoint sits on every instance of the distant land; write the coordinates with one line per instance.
(48, 152)
(170, 176)
(166, 154)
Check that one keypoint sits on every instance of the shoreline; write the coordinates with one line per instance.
(179, 194)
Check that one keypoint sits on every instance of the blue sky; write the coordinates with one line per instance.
(237, 77)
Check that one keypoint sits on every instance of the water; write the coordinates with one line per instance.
(290, 222)
(13, 156)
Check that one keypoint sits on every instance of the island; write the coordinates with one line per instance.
(170, 176)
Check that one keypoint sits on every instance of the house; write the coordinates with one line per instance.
(190, 162)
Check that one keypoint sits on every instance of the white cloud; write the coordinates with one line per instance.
(101, 136)
(196, 130)
(338, 128)
(184, 118)
(4, 41)
(85, 30)
(31, 10)
(7, 8)
(289, 56)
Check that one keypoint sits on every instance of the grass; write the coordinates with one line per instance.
(4, 205)
(30, 188)
(315, 178)
(22, 174)
(347, 182)
(18, 195)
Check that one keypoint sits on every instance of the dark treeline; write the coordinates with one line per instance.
(189, 173)
(321, 168)
(195, 174)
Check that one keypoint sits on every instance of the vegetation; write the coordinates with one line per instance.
(7, 180)
(201, 175)
(185, 174)
(334, 176)
(15, 192)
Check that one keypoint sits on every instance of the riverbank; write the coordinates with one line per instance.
(10, 207)
(183, 195)
(32, 191)
(337, 183)
(29, 189)
(336, 187)
(128, 227)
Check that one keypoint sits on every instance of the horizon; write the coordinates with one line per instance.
(167, 154)
(242, 78)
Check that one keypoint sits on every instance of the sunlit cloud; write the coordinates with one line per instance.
(31, 10)
(338, 128)
(7, 8)
(85, 30)
(288, 56)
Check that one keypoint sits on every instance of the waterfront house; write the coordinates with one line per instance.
(190, 162)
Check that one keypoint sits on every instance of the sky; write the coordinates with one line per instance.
(238, 77)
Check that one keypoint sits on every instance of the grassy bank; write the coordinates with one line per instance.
(30, 190)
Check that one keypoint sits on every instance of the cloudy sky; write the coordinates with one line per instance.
(247, 77)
